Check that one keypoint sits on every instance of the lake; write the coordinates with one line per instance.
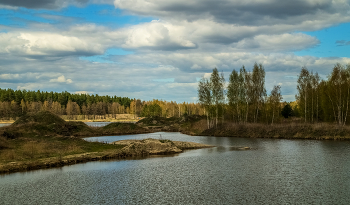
(5, 124)
(275, 171)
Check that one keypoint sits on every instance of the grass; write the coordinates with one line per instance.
(39, 147)
(35, 140)
(318, 131)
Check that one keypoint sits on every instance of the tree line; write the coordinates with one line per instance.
(9, 95)
(243, 99)
(14, 103)
(324, 100)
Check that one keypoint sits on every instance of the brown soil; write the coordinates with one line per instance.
(154, 146)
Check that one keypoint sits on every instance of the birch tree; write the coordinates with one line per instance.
(303, 86)
(205, 97)
(217, 90)
(275, 98)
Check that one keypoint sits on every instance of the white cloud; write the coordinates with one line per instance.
(46, 44)
(9, 76)
(187, 42)
(61, 79)
(157, 34)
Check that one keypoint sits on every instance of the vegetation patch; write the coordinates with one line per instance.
(43, 118)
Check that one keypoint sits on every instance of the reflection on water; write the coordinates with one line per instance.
(274, 172)
(101, 124)
(5, 124)
(97, 124)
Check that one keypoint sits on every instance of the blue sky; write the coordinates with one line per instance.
(329, 42)
(159, 49)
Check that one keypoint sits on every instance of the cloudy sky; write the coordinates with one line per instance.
(158, 49)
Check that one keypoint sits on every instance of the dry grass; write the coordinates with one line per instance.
(292, 130)
(3, 143)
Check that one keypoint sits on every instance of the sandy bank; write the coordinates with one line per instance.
(154, 146)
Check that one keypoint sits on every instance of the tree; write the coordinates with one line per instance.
(303, 87)
(23, 107)
(258, 90)
(338, 92)
(275, 99)
(315, 83)
(233, 91)
(205, 97)
(287, 111)
(217, 90)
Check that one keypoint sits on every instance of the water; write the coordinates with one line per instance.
(274, 172)
(5, 124)
(101, 124)
(97, 124)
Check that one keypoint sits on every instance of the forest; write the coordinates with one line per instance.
(15, 103)
(243, 99)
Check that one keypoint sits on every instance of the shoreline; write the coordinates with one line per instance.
(55, 162)
(122, 121)
(132, 148)
(45, 140)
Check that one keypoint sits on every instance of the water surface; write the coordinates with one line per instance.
(274, 172)
(5, 124)
(97, 124)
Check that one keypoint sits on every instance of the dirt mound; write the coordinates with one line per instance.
(118, 125)
(162, 121)
(45, 123)
(156, 121)
(155, 146)
(148, 146)
(43, 117)
(122, 128)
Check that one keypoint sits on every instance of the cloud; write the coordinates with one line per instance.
(250, 12)
(157, 35)
(61, 79)
(342, 43)
(283, 42)
(167, 55)
(203, 35)
(36, 44)
(9, 76)
(131, 77)
(226, 61)
(42, 4)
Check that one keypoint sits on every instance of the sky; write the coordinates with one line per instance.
(159, 49)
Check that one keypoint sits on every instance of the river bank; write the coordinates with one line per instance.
(317, 131)
(197, 126)
(45, 140)
(116, 150)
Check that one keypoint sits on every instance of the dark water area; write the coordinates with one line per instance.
(275, 171)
